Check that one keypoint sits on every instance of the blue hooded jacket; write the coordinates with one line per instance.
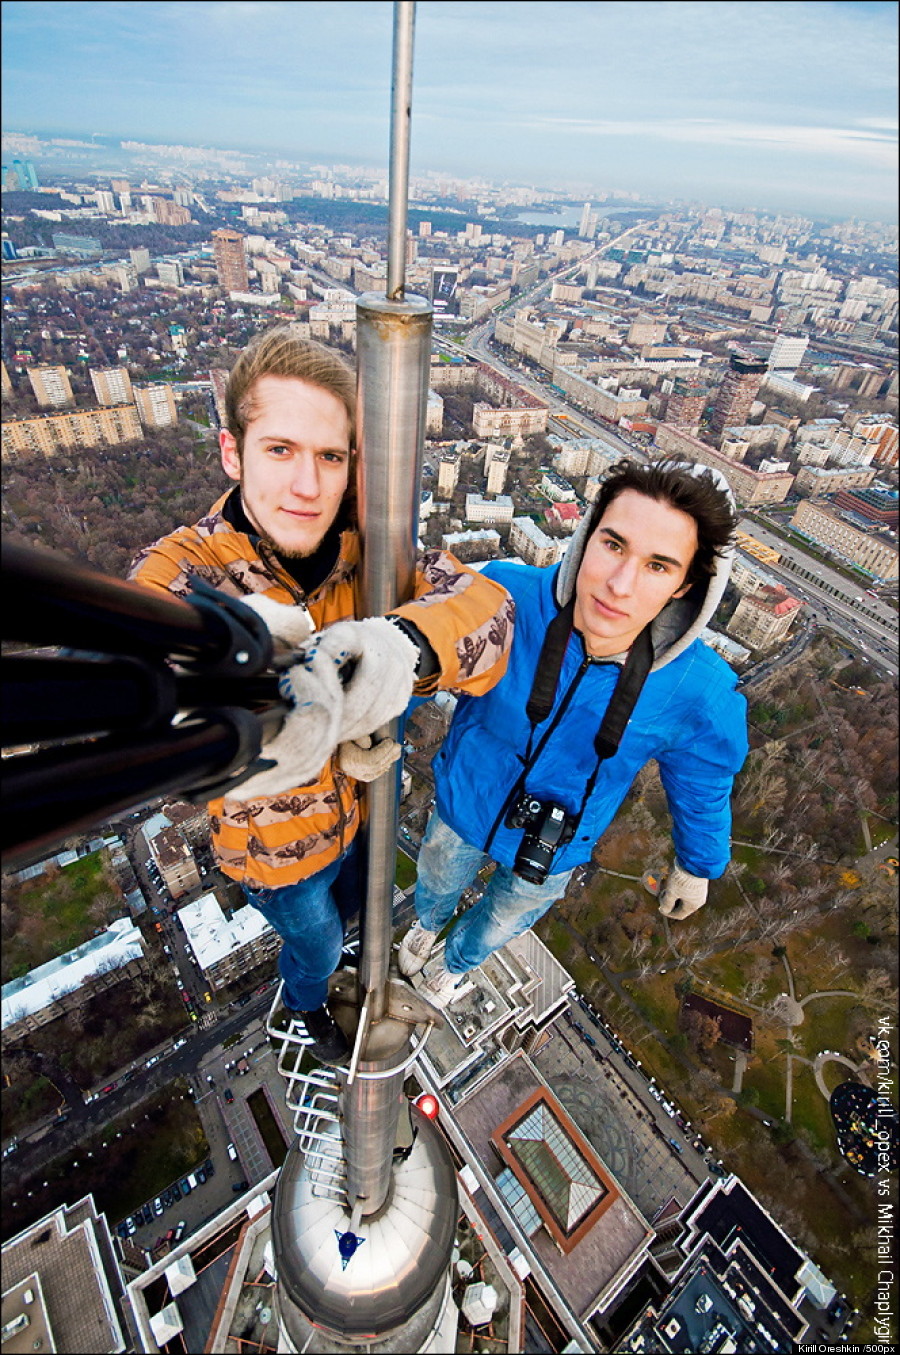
(688, 716)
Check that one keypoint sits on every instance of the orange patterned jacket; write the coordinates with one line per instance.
(467, 619)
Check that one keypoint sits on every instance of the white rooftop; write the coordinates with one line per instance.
(209, 933)
(115, 947)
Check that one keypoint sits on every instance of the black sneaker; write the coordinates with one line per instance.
(329, 1043)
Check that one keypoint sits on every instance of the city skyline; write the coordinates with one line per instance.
(588, 98)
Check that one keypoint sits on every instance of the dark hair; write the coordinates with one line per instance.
(282, 352)
(687, 486)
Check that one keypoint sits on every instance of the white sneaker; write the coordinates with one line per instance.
(415, 949)
(443, 988)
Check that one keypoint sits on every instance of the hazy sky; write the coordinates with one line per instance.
(786, 105)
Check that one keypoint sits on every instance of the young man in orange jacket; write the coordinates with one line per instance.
(285, 540)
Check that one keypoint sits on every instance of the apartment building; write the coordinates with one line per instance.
(815, 481)
(49, 433)
(496, 465)
(226, 950)
(231, 261)
(748, 486)
(504, 423)
(69, 980)
(737, 392)
(489, 510)
(765, 617)
(531, 544)
(112, 385)
(52, 387)
(156, 405)
(829, 528)
(448, 474)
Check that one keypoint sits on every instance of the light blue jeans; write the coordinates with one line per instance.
(508, 906)
(310, 917)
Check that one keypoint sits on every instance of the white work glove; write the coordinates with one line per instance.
(379, 669)
(348, 680)
(291, 623)
(682, 894)
(365, 761)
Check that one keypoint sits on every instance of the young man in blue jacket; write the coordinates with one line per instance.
(532, 773)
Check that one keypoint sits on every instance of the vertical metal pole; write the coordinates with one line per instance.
(393, 339)
(398, 183)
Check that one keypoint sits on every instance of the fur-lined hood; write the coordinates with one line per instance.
(681, 620)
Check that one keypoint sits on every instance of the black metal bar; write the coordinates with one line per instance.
(59, 697)
(54, 793)
(50, 600)
(49, 697)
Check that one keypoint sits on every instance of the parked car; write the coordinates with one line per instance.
(209, 1168)
(131, 1226)
(232, 1152)
(122, 1228)
(147, 1213)
(157, 1206)
(229, 1095)
(179, 1230)
(240, 1185)
(200, 1176)
(185, 1188)
(176, 1191)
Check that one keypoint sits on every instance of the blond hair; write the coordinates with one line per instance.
(282, 352)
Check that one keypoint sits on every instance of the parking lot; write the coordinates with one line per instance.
(225, 1123)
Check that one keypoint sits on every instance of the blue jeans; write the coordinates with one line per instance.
(310, 917)
(508, 906)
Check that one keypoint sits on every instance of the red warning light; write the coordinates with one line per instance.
(428, 1105)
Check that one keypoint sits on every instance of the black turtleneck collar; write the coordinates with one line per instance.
(309, 572)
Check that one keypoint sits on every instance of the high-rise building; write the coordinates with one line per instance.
(588, 223)
(156, 406)
(448, 474)
(231, 261)
(737, 392)
(112, 385)
(497, 469)
(787, 353)
(687, 403)
(140, 260)
(62, 1285)
(170, 273)
(25, 175)
(51, 387)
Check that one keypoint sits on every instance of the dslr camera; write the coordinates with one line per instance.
(547, 826)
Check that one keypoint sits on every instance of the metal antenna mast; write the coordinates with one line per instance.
(365, 1258)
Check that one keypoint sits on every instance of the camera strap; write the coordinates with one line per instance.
(625, 694)
(622, 702)
(631, 679)
(628, 687)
